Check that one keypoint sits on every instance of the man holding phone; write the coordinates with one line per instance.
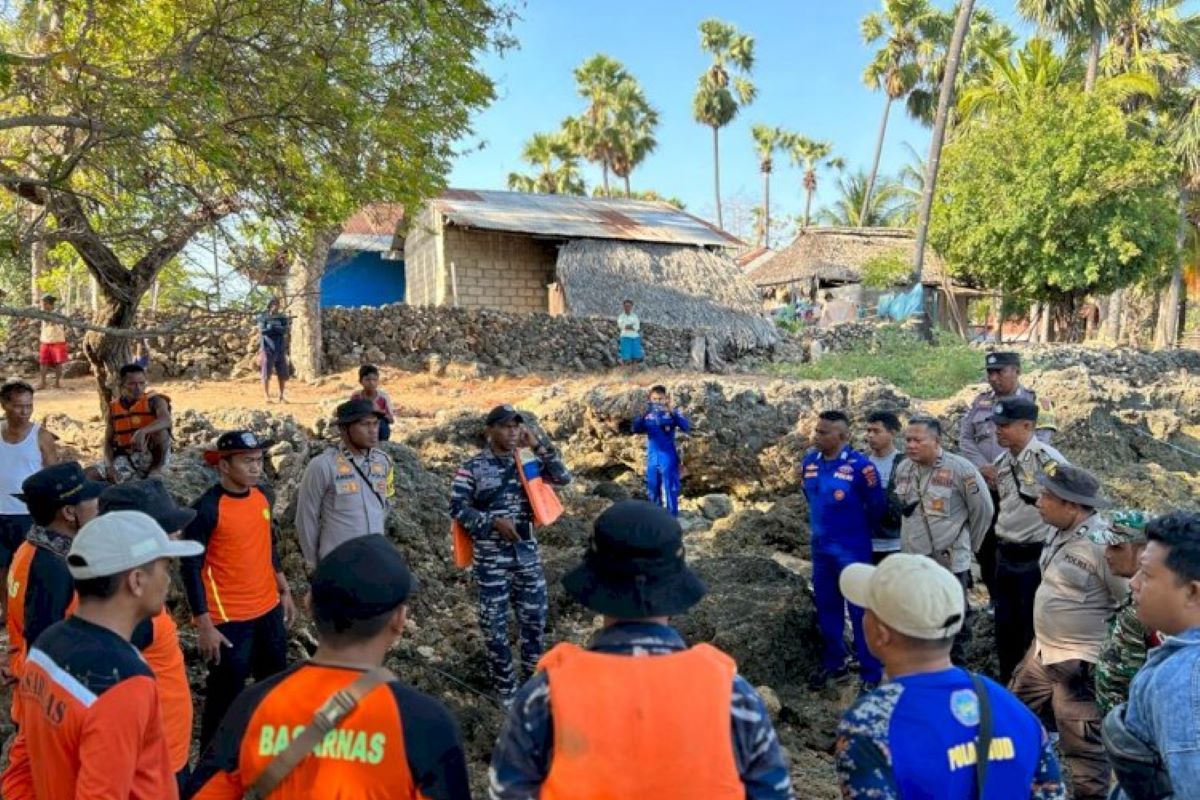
(489, 500)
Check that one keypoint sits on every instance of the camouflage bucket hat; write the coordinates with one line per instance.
(1125, 525)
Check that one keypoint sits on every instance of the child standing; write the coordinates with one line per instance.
(368, 378)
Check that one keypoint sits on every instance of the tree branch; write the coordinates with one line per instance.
(50, 121)
(170, 245)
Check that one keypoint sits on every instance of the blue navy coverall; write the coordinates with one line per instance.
(662, 460)
(485, 488)
(846, 500)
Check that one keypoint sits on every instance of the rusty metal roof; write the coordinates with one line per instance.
(573, 217)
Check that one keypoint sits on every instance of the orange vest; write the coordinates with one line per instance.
(641, 726)
(127, 421)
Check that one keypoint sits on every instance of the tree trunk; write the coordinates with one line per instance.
(999, 333)
(1116, 311)
(107, 354)
(866, 203)
(766, 209)
(1046, 332)
(717, 177)
(808, 196)
(304, 306)
(604, 175)
(1093, 61)
(1166, 333)
(628, 190)
(945, 101)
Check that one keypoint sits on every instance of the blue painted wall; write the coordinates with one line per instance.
(361, 278)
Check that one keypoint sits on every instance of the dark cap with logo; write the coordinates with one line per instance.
(233, 442)
(1002, 360)
(59, 485)
(503, 414)
(634, 566)
(1014, 409)
(1073, 484)
(352, 411)
(359, 580)
(150, 497)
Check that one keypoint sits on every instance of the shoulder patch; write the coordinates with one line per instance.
(964, 705)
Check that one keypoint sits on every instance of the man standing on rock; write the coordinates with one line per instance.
(1078, 593)
(1129, 642)
(52, 345)
(236, 589)
(977, 439)
(945, 505)
(1020, 529)
(137, 437)
(25, 448)
(659, 420)
(490, 502)
(922, 733)
(346, 491)
(846, 500)
(637, 713)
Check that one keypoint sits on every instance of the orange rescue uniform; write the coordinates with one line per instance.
(641, 727)
(397, 743)
(158, 639)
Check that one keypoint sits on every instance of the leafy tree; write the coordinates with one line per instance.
(886, 270)
(131, 129)
(1071, 19)
(767, 141)
(883, 208)
(724, 87)
(1054, 200)
(904, 27)
(810, 156)
(556, 163)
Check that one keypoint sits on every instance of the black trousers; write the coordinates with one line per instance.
(987, 553)
(962, 639)
(259, 650)
(1018, 576)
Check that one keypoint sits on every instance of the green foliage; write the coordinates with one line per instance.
(557, 165)
(1054, 200)
(886, 208)
(725, 86)
(886, 270)
(922, 370)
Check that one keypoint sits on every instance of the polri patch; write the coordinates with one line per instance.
(964, 705)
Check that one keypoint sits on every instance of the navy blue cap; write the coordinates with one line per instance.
(360, 579)
(502, 414)
(1002, 360)
(1014, 409)
(59, 485)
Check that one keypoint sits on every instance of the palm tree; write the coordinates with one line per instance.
(633, 129)
(557, 167)
(722, 91)
(592, 133)
(767, 140)
(883, 208)
(1077, 18)
(810, 155)
(984, 35)
(903, 26)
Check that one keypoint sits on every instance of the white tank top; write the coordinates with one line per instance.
(17, 462)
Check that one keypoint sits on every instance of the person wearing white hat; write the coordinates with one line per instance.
(920, 732)
(91, 725)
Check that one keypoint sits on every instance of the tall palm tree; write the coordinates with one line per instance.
(903, 27)
(724, 87)
(556, 164)
(1089, 19)
(810, 156)
(883, 209)
(985, 34)
(767, 140)
(592, 133)
(634, 123)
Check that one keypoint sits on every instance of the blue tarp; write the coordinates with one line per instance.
(901, 306)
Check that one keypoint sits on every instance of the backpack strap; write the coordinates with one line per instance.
(983, 742)
(328, 717)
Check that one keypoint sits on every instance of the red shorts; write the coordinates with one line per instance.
(52, 354)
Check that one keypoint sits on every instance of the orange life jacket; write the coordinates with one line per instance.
(641, 726)
(128, 421)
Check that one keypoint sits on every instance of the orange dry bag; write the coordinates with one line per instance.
(545, 503)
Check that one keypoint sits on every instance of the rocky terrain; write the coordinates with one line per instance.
(1135, 420)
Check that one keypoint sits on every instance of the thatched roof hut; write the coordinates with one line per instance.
(827, 256)
(677, 287)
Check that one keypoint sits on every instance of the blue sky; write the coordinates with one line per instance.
(808, 72)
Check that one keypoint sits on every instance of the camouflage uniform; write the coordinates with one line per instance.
(1121, 656)
(487, 488)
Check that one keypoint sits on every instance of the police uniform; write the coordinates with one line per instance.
(342, 496)
(946, 508)
(1020, 534)
(977, 443)
(846, 500)
(1077, 595)
(487, 488)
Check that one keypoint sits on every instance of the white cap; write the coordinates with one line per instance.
(909, 593)
(121, 540)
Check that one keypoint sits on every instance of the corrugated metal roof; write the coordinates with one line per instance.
(572, 217)
(364, 242)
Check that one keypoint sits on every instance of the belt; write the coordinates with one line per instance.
(1020, 551)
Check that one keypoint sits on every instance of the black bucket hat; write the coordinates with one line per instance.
(634, 566)
(150, 497)
(352, 411)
